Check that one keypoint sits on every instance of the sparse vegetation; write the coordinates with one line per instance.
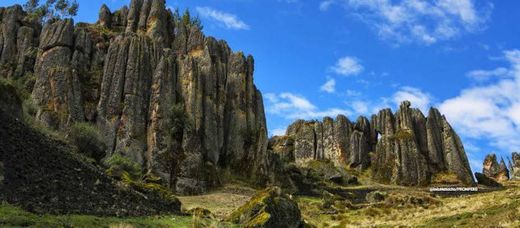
(11, 216)
(172, 159)
(117, 165)
(87, 139)
(402, 135)
(51, 9)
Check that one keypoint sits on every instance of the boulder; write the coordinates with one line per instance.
(268, 208)
(482, 179)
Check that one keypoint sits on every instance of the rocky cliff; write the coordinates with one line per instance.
(404, 148)
(127, 72)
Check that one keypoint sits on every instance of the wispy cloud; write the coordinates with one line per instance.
(484, 75)
(324, 5)
(224, 19)
(426, 22)
(329, 86)
(347, 66)
(293, 106)
(277, 131)
(490, 111)
(417, 98)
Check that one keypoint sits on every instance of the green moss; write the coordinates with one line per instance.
(402, 135)
(254, 204)
(118, 165)
(259, 220)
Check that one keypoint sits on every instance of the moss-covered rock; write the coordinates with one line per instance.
(268, 208)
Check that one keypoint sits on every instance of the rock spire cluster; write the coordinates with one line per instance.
(404, 148)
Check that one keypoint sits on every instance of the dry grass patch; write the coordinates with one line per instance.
(220, 202)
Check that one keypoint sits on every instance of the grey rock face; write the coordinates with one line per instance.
(18, 42)
(127, 71)
(143, 79)
(515, 166)
(337, 140)
(406, 148)
(105, 16)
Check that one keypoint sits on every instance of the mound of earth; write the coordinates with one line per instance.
(44, 175)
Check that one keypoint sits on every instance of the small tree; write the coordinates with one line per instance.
(51, 9)
(172, 159)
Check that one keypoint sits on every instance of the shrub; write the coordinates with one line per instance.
(119, 165)
(88, 140)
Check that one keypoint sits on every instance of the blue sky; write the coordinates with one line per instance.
(325, 57)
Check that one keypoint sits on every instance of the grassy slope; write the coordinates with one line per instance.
(492, 209)
(220, 202)
(11, 216)
(14, 216)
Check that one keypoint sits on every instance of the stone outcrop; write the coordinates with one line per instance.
(18, 42)
(492, 169)
(127, 72)
(404, 148)
(515, 166)
(483, 179)
(268, 208)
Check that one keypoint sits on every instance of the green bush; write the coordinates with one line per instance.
(87, 139)
(119, 166)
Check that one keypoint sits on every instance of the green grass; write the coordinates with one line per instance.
(11, 216)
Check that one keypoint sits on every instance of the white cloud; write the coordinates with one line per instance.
(347, 66)
(360, 107)
(352, 93)
(329, 86)
(325, 5)
(491, 111)
(420, 21)
(277, 131)
(224, 19)
(292, 106)
(483, 75)
(417, 97)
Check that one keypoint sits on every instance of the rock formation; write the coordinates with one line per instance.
(268, 208)
(492, 169)
(482, 179)
(18, 42)
(127, 72)
(404, 148)
(515, 166)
